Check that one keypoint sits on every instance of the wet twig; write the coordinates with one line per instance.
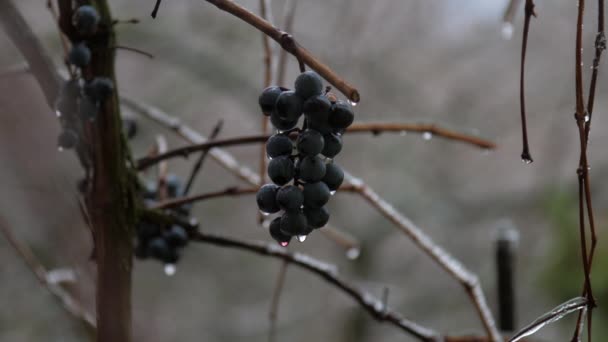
(288, 19)
(288, 43)
(201, 159)
(529, 12)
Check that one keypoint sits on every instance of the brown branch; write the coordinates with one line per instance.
(378, 128)
(329, 273)
(30, 47)
(136, 50)
(228, 192)
(288, 43)
(375, 128)
(529, 12)
(69, 303)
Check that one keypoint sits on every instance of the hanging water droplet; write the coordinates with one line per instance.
(526, 160)
(58, 113)
(403, 133)
(587, 118)
(485, 152)
(284, 244)
(427, 136)
(301, 238)
(353, 253)
(507, 31)
(170, 269)
(60, 148)
(353, 103)
(333, 192)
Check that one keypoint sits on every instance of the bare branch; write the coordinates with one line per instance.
(288, 43)
(288, 19)
(276, 299)
(199, 163)
(329, 273)
(228, 192)
(529, 12)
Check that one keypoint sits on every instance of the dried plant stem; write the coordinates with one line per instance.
(69, 303)
(288, 43)
(529, 12)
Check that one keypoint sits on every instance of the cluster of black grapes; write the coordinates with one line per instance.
(301, 160)
(163, 242)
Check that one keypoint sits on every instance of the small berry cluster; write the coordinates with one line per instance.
(303, 157)
(80, 100)
(161, 241)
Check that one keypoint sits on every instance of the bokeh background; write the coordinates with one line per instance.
(435, 61)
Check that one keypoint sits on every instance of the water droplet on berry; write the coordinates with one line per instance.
(284, 244)
(170, 269)
(353, 253)
(333, 192)
(427, 136)
(301, 238)
(507, 31)
(353, 103)
(264, 213)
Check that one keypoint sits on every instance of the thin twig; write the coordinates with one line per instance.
(329, 273)
(69, 303)
(199, 163)
(276, 299)
(529, 12)
(288, 43)
(375, 128)
(228, 192)
(288, 19)
(155, 10)
(163, 167)
(136, 50)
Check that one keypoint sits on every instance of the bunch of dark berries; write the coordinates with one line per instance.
(301, 159)
(80, 98)
(159, 241)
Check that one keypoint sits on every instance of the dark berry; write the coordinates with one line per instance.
(67, 139)
(308, 84)
(289, 106)
(158, 248)
(281, 170)
(282, 124)
(294, 223)
(310, 142)
(333, 145)
(290, 198)
(334, 176)
(277, 234)
(317, 108)
(99, 89)
(316, 217)
(341, 115)
(268, 99)
(147, 230)
(88, 108)
(176, 236)
(129, 127)
(322, 127)
(267, 198)
(279, 145)
(316, 195)
(79, 55)
(86, 19)
(311, 169)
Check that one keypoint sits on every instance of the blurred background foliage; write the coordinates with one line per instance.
(413, 61)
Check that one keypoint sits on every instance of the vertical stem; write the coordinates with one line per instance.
(506, 246)
(529, 12)
(111, 201)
